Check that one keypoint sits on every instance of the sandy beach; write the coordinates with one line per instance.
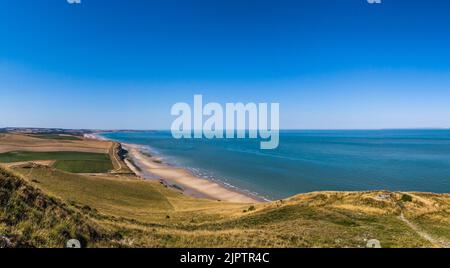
(152, 167)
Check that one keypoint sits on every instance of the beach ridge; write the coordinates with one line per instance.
(151, 167)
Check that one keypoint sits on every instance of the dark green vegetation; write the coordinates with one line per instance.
(407, 198)
(56, 137)
(84, 166)
(30, 156)
(75, 162)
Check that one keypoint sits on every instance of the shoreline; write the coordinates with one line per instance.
(182, 179)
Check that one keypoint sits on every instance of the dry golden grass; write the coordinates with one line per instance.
(19, 142)
(119, 164)
(147, 214)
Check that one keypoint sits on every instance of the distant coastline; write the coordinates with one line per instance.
(310, 160)
(151, 167)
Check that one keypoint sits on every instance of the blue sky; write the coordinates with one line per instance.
(330, 64)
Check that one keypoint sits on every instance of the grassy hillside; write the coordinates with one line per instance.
(75, 162)
(120, 196)
(30, 218)
(128, 212)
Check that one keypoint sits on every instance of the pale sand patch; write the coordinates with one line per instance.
(191, 184)
(38, 162)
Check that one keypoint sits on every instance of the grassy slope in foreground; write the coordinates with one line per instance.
(75, 162)
(123, 211)
(31, 218)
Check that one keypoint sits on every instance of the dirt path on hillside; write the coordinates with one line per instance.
(119, 165)
(423, 234)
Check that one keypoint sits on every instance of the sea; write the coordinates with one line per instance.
(311, 160)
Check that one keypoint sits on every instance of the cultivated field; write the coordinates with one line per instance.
(75, 162)
(20, 142)
(65, 152)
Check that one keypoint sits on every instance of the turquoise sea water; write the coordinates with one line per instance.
(305, 161)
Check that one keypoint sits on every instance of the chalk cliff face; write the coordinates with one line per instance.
(145, 214)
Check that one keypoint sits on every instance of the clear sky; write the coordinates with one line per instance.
(330, 64)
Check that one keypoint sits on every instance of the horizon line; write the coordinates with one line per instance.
(281, 129)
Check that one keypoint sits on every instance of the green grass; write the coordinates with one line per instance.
(56, 137)
(30, 218)
(75, 162)
(84, 166)
(120, 197)
(42, 206)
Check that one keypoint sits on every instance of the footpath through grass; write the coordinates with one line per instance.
(75, 162)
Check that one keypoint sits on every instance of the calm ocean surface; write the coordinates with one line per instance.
(407, 160)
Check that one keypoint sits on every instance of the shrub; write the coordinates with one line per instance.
(406, 198)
